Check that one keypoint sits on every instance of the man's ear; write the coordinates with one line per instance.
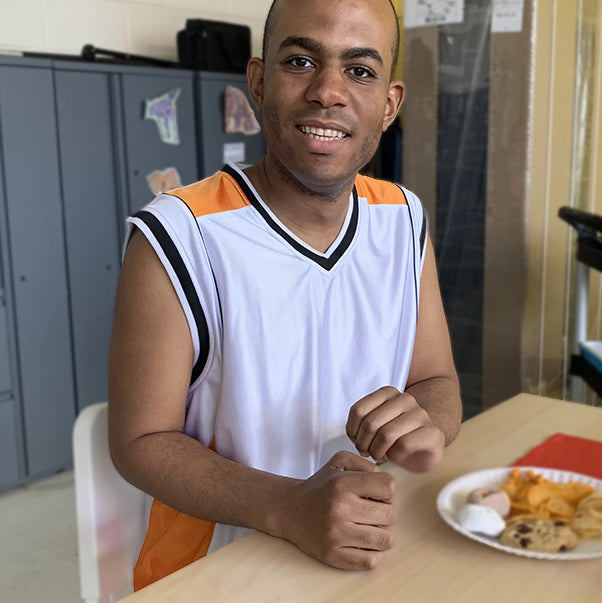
(394, 101)
(255, 71)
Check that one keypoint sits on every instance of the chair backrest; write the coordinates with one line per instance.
(112, 514)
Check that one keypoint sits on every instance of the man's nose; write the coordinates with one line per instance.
(328, 87)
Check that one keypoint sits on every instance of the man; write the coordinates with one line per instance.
(272, 320)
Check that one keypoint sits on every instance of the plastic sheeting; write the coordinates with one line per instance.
(500, 129)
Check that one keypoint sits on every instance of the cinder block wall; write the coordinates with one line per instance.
(146, 27)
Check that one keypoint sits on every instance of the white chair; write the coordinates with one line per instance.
(112, 515)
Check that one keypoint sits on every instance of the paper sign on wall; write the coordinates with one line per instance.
(507, 15)
(234, 152)
(162, 110)
(419, 13)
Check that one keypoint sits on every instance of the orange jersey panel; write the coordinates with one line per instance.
(379, 192)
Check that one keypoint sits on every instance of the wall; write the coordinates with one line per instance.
(145, 27)
(566, 163)
(544, 152)
(560, 27)
(512, 73)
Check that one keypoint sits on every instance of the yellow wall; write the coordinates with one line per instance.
(564, 167)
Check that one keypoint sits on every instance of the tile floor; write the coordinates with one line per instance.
(38, 542)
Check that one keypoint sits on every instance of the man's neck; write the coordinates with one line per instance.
(316, 218)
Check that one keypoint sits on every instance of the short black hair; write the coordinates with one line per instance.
(270, 23)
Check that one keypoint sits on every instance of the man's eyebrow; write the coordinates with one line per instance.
(311, 45)
(308, 44)
(363, 53)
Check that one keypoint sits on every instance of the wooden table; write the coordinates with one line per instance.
(430, 561)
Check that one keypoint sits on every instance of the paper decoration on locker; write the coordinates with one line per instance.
(163, 181)
(239, 116)
(162, 110)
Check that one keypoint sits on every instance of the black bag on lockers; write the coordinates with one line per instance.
(214, 46)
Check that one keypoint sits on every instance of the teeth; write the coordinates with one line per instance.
(322, 134)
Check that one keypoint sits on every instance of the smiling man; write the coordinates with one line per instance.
(277, 325)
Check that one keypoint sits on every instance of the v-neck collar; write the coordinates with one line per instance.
(337, 249)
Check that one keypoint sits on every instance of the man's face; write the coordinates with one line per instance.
(325, 93)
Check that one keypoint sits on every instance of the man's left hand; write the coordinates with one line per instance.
(389, 424)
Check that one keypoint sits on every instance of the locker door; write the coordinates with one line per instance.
(9, 465)
(213, 140)
(86, 137)
(12, 465)
(146, 151)
(5, 380)
(35, 224)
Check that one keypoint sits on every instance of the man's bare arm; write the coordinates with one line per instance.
(433, 380)
(412, 427)
(340, 515)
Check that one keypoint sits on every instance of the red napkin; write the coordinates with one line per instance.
(566, 452)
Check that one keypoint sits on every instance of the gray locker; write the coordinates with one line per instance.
(86, 130)
(78, 142)
(12, 467)
(5, 380)
(9, 466)
(212, 138)
(35, 223)
(145, 149)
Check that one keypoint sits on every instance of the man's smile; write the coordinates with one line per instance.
(323, 134)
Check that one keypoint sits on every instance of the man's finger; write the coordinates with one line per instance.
(374, 486)
(347, 461)
(399, 428)
(374, 513)
(374, 421)
(364, 406)
(419, 450)
(353, 558)
(370, 538)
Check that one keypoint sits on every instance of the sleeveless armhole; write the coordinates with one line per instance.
(177, 270)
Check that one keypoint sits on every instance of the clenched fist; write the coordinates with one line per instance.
(342, 514)
(388, 424)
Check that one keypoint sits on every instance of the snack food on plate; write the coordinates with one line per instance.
(533, 513)
(532, 494)
(496, 499)
(481, 519)
(588, 518)
(543, 535)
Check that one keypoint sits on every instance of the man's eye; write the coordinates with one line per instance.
(299, 62)
(360, 72)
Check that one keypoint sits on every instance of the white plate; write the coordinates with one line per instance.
(453, 496)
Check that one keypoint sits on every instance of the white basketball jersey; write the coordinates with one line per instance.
(287, 339)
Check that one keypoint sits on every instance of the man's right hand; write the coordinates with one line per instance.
(342, 514)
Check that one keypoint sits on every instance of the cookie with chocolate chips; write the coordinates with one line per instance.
(542, 535)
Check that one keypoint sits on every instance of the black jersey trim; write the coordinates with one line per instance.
(173, 255)
(325, 262)
(414, 263)
(198, 226)
(423, 236)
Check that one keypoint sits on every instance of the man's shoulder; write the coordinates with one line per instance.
(380, 192)
(215, 194)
